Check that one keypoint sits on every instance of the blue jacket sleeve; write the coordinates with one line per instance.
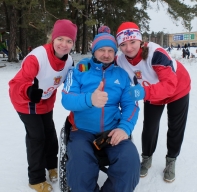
(72, 98)
(129, 110)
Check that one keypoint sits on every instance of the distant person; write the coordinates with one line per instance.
(165, 82)
(169, 49)
(184, 53)
(29, 49)
(185, 46)
(33, 93)
(3, 48)
(19, 53)
(178, 47)
(187, 53)
(188, 45)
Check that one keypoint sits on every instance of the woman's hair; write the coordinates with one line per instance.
(145, 50)
(49, 36)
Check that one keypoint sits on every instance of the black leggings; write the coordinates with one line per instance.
(177, 117)
(41, 144)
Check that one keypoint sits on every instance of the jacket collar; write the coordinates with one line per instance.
(99, 66)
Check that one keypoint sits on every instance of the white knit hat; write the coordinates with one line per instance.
(128, 31)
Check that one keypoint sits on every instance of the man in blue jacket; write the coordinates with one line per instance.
(98, 94)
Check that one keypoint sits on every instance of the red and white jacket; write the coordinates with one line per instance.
(50, 72)
(163, 78)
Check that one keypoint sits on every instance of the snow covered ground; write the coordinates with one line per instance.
(13, 163)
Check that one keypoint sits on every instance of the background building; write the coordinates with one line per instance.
(168, 40)
(183, 38)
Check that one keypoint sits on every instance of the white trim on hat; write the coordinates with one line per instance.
(103, 37)
(128, 34)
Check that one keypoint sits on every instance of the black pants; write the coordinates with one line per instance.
(41, 144)
(177, 117)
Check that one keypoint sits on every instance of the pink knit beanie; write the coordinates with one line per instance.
(66, 28)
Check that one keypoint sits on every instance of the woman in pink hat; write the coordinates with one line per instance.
(161, 81)
(33, 93)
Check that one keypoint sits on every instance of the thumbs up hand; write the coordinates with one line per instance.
(99, 97)
(34, 93)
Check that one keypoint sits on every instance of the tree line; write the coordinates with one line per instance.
(27, 22)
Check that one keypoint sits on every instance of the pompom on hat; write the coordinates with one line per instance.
(104, 40)
(66, 28)
(128, 31)
(104, 29)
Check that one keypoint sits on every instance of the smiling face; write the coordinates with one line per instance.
(105, 54)
(130, 48)
(62, 46)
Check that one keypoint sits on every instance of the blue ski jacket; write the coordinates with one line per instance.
(120, 111)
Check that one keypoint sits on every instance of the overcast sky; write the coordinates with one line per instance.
(160, 21)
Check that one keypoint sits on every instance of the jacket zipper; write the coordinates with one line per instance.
(102, 110)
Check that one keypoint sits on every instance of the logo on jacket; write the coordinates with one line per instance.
(117, 82)
(97, 68)
(57, 80)
(138, 74)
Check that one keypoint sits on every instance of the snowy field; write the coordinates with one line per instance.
(13, 163)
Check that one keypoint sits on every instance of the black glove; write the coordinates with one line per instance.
(102, 140)
(34, 93)
(135, 81)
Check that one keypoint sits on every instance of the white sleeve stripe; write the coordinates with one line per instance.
(68, 81)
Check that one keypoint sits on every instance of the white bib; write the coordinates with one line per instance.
(49, 79)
